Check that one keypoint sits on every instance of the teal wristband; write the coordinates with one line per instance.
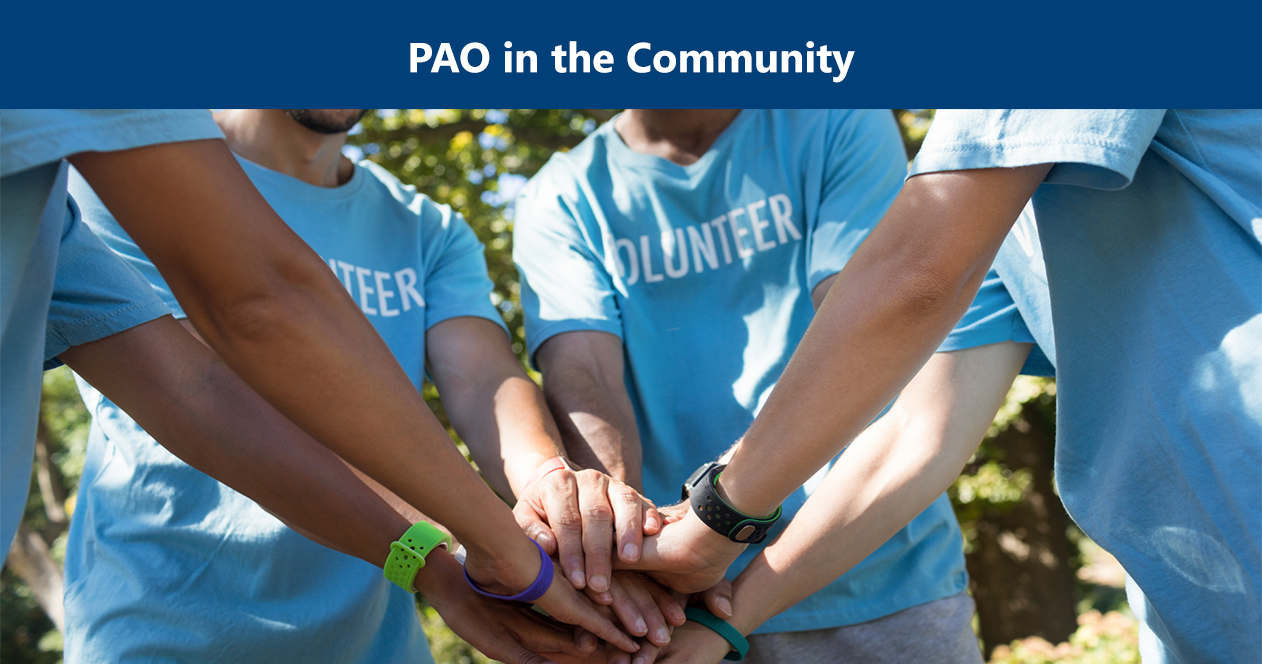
(723, 629)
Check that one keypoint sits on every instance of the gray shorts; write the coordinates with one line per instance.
(940, 631)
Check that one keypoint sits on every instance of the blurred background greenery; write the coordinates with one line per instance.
(1045, 592)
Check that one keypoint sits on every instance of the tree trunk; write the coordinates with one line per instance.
(52, 489)
(30, 560)
(1022, 580)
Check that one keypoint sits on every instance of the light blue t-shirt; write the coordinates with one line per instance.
(1149, 223)
(165, 563)
(34, 221)
(705, 273)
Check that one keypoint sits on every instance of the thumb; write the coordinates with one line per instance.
(652, 519)
(533, 525)
(719, 599)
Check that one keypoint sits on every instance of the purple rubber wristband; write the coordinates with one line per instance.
(536, 589)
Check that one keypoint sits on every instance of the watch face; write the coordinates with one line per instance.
(698, 474)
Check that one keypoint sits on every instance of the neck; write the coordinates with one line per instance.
(679, 135)
(270, 138)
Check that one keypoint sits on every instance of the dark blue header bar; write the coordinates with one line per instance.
(900, 54)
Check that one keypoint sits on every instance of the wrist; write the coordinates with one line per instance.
(545, 468)
(756, 596)
(438, 575)
(743, 496)
(519, 468)
(508, 570)
(737, 644)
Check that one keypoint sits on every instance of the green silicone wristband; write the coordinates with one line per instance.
(407, 556)
(723, 629)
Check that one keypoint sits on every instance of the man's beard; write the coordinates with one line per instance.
(324, 122)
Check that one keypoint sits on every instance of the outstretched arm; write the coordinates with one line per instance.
(887, 312)
(891, 306)
(893, 471)
(501, 414)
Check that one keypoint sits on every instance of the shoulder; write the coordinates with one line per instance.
(565, 172)
(384, 185)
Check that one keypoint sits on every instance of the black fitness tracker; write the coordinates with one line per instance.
(699, 490)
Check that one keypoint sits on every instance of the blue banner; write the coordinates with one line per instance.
(1076, 53)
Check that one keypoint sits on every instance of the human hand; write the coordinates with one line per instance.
(717, 599)
(646, 609)
(504, 631)
(578, 516)
(692, 643)
(561, 601)
(687, 555)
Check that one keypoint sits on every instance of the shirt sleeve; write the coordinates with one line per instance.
(863, 172)
(95, 295)
(1090, 148)
(993, 318)
(456, 280)
(565, 287)
(36, 137)
(102, 223)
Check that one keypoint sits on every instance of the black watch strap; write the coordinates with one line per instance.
(700, 492)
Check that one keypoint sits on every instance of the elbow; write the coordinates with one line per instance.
(258, 317)
(274, 306)
(924, 290)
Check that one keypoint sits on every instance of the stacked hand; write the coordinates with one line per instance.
(687, 555)
(579, 515)
(689, 641)
(504, 631)
(582, 517)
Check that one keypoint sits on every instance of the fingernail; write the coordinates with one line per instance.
(676, 614)
(586, 641)
(600, 583)
(640, 660)
(606, 599)
(630, 553)
(544, 540)
(640, 627)
(577, 578)
(662, 636)
(725, 607)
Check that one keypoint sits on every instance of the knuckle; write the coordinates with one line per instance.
(598, 512)
(627, 496)
(568, 521)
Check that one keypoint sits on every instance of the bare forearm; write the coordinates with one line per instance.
(841, 525)
(583, 383)
(277, 315)
(516, 439)
(597, 430)
(890, 474)
(497, 410)
(887, 312)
